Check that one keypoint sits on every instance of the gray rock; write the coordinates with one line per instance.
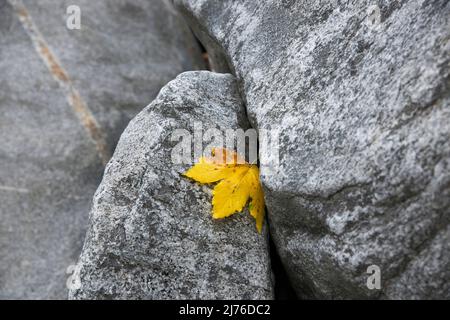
(65, 97)
(361, 97)
(124, 53)
(151, 233)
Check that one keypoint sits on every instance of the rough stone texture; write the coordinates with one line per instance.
(151, 233)
(363, 109)
(49, 164)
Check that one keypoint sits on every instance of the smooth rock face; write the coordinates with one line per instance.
(59, 121)
(151, 233)
(363, 108)
(124, 53)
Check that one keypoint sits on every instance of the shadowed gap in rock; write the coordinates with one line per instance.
(282, 286)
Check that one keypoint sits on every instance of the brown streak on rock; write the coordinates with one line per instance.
(56, 70)
(90, 124)
(74, 98)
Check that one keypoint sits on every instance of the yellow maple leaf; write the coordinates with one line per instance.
(238, 182)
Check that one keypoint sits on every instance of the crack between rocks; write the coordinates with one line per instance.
(281, 285)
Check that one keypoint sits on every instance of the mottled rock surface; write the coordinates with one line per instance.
(361, 97)
(151, 233)
(64, 103)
